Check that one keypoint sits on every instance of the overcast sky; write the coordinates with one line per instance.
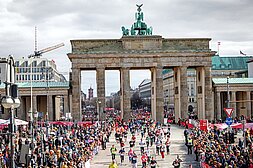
(227, 21)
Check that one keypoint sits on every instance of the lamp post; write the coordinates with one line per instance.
(244, 136)
(98, 110)
(11, 101)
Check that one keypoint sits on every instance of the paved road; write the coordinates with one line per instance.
(103, 159)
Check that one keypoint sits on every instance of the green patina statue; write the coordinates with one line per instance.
(139, 27)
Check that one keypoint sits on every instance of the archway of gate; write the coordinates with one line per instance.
(144, 52)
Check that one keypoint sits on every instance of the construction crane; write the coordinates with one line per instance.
(40, 52)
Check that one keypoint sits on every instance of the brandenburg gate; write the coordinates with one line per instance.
(139, 49)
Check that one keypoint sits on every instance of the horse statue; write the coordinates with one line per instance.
(125, 31)
(133, 33)
(149, 31)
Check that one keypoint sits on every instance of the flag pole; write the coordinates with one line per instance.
(218, 48)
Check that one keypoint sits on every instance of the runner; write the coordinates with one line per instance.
(122, 154)
(144, 159)
(153, 163)
(113, 152)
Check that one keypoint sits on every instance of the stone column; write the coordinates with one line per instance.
(181, 92)
(184, 92)
(101, 92)
(50, 108)
(153, 93)
(34, 99)
(125, 94)
(248, 104)
(21, 112)
(65, 104)
(200, 92)
(159, 95)
(233, 104)
(76, 93)
(218, 104)
(208, 94)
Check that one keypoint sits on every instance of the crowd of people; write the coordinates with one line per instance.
(62, 147)
(217, 149)
(152, 136)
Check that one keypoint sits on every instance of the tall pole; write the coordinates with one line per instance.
(11, 115)
(11, 136)
(47, 100)
(218, 48)
(228, 98)
(31, 112)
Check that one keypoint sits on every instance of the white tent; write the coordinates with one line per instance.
(2, 121)
(17, 122)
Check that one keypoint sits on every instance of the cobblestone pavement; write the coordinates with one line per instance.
(103, 159)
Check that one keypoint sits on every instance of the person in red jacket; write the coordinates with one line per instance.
(144, 159)
(162, 151)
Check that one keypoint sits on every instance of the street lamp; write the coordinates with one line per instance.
(98, 109)
(11, 101)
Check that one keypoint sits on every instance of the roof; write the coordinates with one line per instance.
(230, 63)
(41, 85)
(249, 61)
(227, 63)
(233, 80)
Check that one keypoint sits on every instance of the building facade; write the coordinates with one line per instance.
(37, 69)
(222, 67)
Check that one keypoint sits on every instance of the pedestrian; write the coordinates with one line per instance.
(176, 162)
(113, 164)
(158, 146)
(147, 141)
(153, 163)
(162, 150)
(148, 154)
(167, 143)
(142, 146)
(113, 152)
(122, 154)
(130, 154)
(144, 159)
(134, 160)
(189, 145)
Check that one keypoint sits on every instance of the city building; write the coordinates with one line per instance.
(49, 89)
(37, 69)
(90, 93)
(234, 67)
(250, 68)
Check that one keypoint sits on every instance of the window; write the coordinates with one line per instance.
(222, 66)
(17, 63)
(26, 63)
